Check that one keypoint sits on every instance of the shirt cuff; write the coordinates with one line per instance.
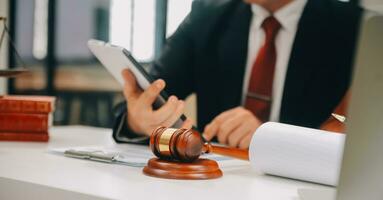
(124, 134)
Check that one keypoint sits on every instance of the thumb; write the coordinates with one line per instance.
(210, 131)
(130, 86)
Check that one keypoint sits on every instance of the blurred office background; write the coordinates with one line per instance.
(51, 38)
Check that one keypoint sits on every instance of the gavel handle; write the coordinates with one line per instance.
(242, 154)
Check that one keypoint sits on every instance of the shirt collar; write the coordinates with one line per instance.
(288, 16)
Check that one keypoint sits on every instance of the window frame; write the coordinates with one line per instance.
(50, 61)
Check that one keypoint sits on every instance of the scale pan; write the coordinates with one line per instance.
(12, 72)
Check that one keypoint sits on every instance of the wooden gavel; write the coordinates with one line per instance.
(186, 145)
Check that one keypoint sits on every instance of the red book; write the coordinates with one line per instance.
(18, 122)
(41, 137)
(26, 104)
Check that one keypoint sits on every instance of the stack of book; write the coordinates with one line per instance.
(25, 118)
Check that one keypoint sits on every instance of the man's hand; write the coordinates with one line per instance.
(141, 116)
(234, 127)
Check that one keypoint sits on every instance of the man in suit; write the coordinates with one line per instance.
(248, 62)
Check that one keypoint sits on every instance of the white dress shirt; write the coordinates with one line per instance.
(288, 16)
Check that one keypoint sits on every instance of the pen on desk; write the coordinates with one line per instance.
(340, 118)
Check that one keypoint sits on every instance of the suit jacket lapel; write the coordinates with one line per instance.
(304, 59)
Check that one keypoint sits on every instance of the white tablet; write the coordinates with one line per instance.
(115, 59)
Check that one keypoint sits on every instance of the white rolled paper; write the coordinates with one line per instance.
(297, 152)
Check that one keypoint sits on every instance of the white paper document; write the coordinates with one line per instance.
(131, 155)
(296, 152)
(126, 154)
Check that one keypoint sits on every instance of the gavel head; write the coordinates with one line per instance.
(184, 145)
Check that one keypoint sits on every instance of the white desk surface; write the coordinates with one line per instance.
(28, 171)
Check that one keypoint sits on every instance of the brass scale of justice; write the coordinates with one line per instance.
(9, 73)
(178, 152)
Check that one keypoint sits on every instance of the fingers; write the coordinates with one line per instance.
(165, 111)
(245, 142)
(142, 117)
(237, 135)
(234, 127)
(211, 130)
(188, 124)
(227, 127)
(151, 93)
(175, 115)
(224, 116)
(130, 86)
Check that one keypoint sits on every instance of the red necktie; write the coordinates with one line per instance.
(258, 98)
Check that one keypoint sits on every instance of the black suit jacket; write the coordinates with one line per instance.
(207, 55)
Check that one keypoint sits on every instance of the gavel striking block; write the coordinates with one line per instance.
(178, 152)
